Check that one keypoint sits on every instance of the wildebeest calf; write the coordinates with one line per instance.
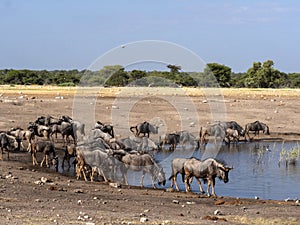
(47, 147)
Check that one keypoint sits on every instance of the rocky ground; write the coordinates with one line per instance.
(34, 195)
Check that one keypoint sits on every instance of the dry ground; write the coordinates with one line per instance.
(65, 200)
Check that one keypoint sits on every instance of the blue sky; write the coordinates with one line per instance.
(71, 34)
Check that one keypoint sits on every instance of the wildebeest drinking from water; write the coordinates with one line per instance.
(208, 170)
(144, 163)
(255, 127)
(144, 128)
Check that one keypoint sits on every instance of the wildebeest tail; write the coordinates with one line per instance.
(132, 129)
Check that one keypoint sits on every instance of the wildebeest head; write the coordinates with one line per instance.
(160, 176)
(222, 173)
(266, 130)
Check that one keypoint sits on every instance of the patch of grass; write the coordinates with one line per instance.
(289, 157)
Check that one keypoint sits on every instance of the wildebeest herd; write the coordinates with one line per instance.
(99, 154)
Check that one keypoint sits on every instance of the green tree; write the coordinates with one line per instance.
(263, 75)
(173, 68)
(222, 73)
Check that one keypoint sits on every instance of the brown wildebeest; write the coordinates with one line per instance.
(144, 128)
(255, 128)
(208, 170)
(70, 151)
(45, 146)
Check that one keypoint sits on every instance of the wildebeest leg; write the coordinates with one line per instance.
(200, 185)
(100, 172)
(208, 187)
(174, 181)
(153, 184)
(44, 158)
(186, 182)
(213, 187)
(142, 179)
(125, 176)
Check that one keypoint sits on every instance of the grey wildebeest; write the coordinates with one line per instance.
(234, 126)
(171, 139)
(216, 131)
(45, 146)
(141, 144)
(255, 128)
(78, 127)
(8, 143)
(146, 164)
(96, 158)
(177, 167)
(66, 129)
(144, 128)
(208, 170)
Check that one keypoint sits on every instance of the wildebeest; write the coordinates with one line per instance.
(45, 146)
(39, 130)
(97, 158)
(255, 127)
(171, 139)
(186, 138)
(208, 170)
(78, 127)
(8, 143)
(106, 128)
(232, 134)
(22, 135)
(141, 144)
(216, 131)
(82, 168)
(65, 129)
(234, 126)
(146, 164)
(177, 167)
(144, 128)
(70, 151)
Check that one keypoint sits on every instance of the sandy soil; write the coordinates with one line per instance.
(62, 199)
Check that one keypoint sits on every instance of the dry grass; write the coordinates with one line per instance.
(130, 91)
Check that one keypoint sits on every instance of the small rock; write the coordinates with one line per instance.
(115, 185)
(204, 101)
(217, 212)
(175, 201)
(192, 124)
(190, 203)
(80, 191)
(144, 219)
(115, 107)
(79, 202)
(256, 197)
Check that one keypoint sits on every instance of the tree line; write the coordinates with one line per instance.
(260, 75)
